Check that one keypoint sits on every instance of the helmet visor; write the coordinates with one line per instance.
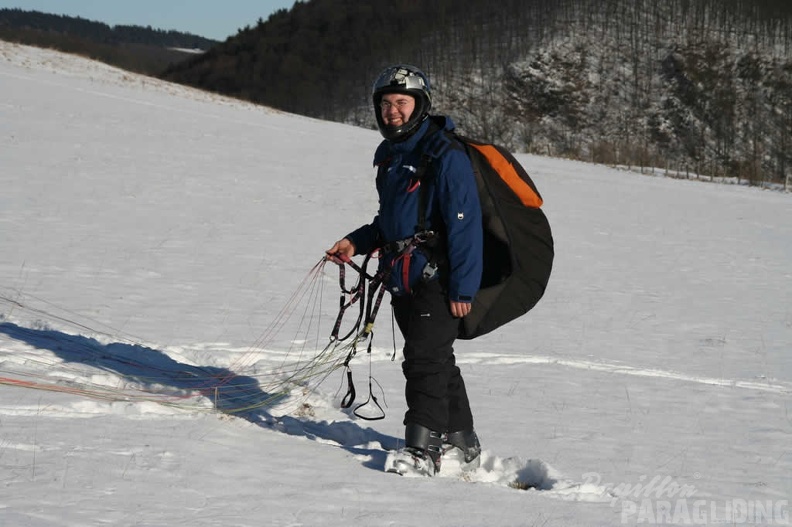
(400, 78)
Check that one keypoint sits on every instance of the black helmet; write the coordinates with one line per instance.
(402, 78)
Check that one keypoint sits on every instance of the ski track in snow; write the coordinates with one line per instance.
(622, 369)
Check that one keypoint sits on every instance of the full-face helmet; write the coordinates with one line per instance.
(402, 78)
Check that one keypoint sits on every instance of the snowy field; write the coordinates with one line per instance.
(151, 236)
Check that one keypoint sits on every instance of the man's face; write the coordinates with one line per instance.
(396, 108)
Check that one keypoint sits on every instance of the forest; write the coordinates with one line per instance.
(699, 88)
(135, 48)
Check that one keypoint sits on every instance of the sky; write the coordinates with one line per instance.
(206, 18)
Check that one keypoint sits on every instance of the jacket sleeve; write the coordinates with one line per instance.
(458, 201)
(366, 238)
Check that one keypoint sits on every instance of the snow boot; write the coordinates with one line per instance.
(463, 448)
(421, 454)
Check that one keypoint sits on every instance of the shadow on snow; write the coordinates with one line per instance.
(153, 371)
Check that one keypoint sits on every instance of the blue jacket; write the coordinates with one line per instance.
(452, 199)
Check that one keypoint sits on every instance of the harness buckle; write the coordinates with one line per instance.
(406, 244)
(429, 271)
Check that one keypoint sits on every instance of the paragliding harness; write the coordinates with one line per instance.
(517, 246)
(369, 300)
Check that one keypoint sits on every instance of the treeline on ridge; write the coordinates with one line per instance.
(135, 48)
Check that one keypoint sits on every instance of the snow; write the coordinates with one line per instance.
(152, 234)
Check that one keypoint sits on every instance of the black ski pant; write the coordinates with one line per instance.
(435, 390)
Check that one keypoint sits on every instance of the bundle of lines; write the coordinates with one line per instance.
(63, 353)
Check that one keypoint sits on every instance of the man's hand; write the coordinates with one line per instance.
(343, 247)
(460, 309)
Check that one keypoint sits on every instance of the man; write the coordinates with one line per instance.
(428, 231)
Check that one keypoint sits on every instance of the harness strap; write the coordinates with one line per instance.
(399, 246)
(406, 257)
(355, 294)
(423, 191)
(370, 303)
(349, 398)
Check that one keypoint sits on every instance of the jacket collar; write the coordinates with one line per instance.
(388, 149)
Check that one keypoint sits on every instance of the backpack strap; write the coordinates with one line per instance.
(425, 175)
(436, 142)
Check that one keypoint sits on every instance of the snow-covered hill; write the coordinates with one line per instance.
(152, 235)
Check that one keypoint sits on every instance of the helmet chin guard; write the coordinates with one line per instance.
(409, 80)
